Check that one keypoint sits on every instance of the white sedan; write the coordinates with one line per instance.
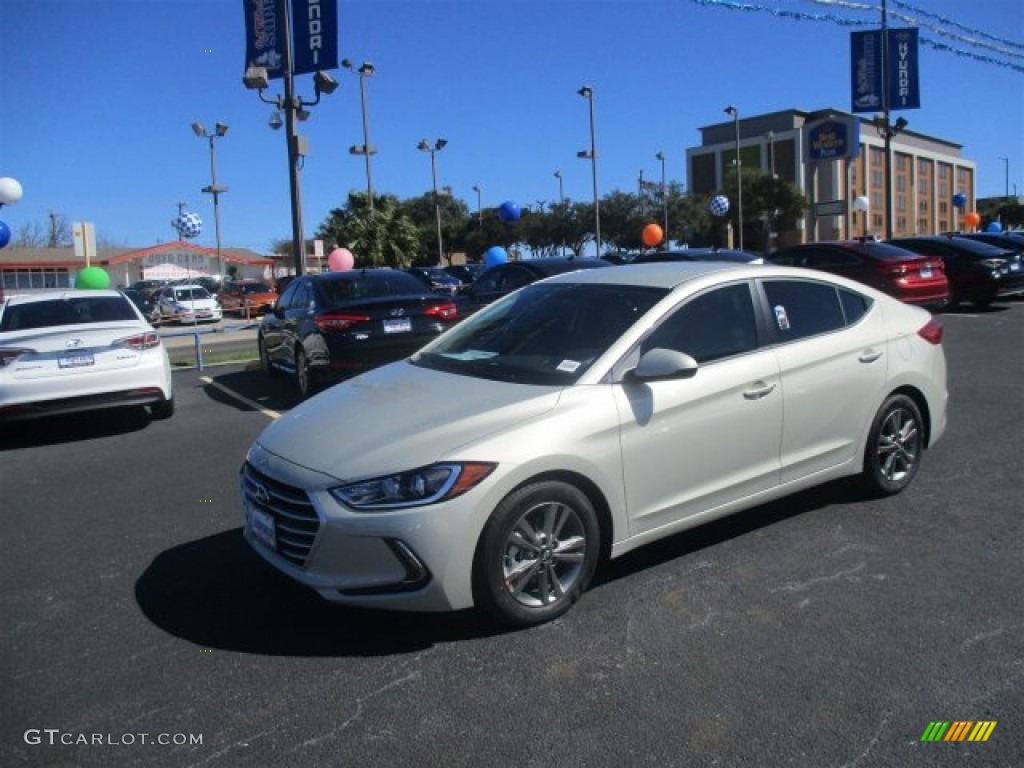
(586, 415)
(75, 350)
(188, 304)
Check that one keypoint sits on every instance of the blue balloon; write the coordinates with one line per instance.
(994, 226)
(509, 211)
(959, 200)
(495, 255)
(5, 234)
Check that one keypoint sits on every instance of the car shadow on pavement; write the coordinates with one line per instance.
(74, 427)
(842, 491)
(217, 593)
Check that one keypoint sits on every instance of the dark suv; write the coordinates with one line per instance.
(325, 326)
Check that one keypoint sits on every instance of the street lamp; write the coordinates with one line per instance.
(479, 212)
(215, 189)
(433, 149)
(588, 93)
(887, 131)
(561, 202)
(365, 149)
(1006, 165)
(731, 110)
(256, 79)
(664, 195)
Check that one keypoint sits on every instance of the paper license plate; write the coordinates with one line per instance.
(401, 325)
(926, 272)
(262, 527)
(75, 360)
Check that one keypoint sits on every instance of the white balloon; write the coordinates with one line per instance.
(10, 190)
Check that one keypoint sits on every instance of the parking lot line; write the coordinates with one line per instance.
(240, 398)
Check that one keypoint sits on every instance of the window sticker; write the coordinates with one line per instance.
(568, 366)
(781, 318)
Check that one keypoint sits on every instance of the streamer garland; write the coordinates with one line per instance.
(845, 21)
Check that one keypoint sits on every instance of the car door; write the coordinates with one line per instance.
(831, 347)
(692, 445)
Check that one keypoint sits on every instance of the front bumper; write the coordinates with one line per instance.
(416, 559)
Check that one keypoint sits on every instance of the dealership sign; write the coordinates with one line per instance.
(901, 70)
(831, 139)
(314, 26)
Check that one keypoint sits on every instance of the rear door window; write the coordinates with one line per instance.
(802, 308)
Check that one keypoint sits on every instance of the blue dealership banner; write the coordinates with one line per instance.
(866, 94)
(314, 26)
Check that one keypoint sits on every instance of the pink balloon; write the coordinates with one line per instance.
(341, 259)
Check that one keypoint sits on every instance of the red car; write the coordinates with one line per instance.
(907, 276)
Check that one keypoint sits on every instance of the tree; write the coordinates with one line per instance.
(383, 237)
(55, 233)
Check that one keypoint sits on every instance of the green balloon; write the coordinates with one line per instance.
(92, 278)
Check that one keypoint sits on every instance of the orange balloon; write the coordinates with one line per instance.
(652, 235)
(972, 219)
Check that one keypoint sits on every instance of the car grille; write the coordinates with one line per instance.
(295, 521)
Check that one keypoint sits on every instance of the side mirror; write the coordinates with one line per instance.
(659, 364)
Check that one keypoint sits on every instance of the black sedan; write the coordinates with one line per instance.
(502, 279)
(324, 327)
(977, 272)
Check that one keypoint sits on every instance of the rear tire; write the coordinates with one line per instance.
(162, 410)
(895, 444)
(303, 374)
(536, 554)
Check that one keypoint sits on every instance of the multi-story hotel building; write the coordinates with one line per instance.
(927, 172)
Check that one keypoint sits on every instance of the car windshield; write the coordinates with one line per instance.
(368, 285)
(68, 311)
(543, 334)
(190, 294)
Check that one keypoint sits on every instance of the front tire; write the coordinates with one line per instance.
(536, 555)
(265, 364)
(895, 444)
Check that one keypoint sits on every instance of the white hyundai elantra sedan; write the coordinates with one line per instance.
(586, 415)
(73, 350)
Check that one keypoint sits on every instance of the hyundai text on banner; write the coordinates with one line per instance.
(901, 70)
(314, 25)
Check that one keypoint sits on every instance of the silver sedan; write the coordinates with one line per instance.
(584, 416)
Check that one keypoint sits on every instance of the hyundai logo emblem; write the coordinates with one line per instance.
(261, 495)
(397, 312)
(75, 342)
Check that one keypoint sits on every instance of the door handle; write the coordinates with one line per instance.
(760, 389)
(869, 355)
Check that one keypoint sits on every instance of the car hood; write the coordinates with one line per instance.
(399, 417)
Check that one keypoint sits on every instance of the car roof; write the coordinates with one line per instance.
(958, 242)
(557, 264)
(66, 293)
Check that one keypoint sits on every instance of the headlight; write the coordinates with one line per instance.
(414, 488)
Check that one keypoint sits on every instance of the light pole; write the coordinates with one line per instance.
(215, 189)
(561, 202)
(588, 93)
(887, 131)
(479, 211)
(1006, 166)
(664, 196)
(731, 110)
(433, 149)
(256, 79)
(366, 149)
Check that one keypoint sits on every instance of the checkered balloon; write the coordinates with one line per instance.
(719, 205)
(188, 224)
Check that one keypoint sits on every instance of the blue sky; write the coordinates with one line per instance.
(98, 95)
